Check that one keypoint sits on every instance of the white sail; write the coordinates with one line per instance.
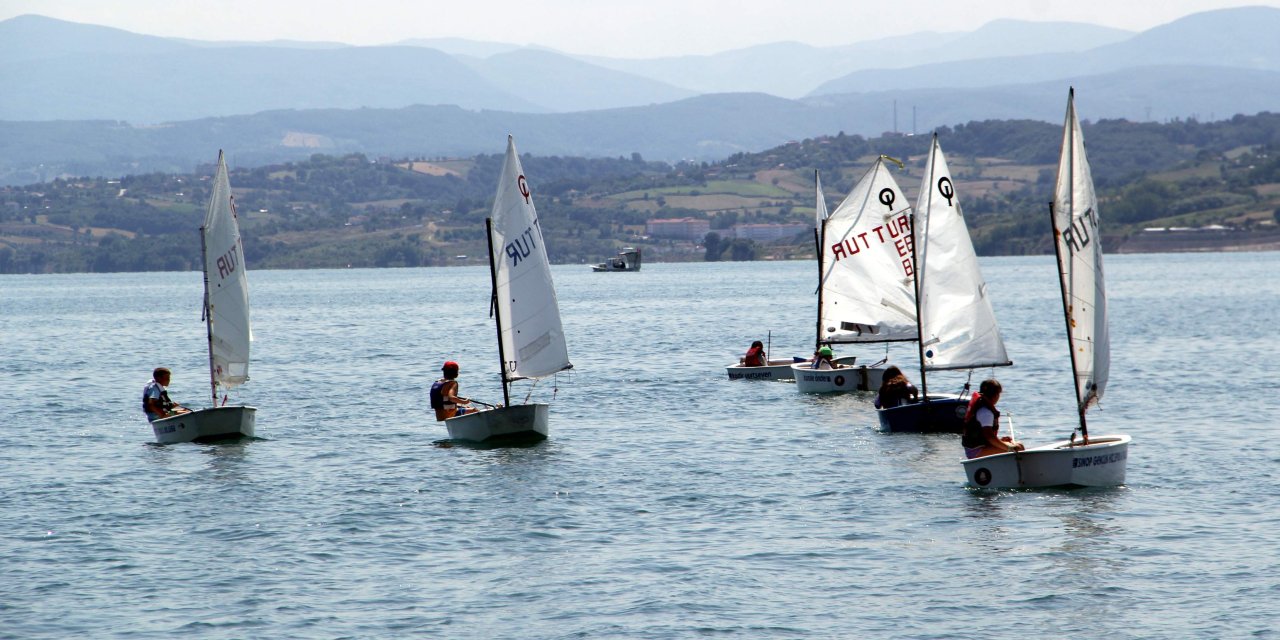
(820, 203)
(957, 325)
(226, 287)
(1079, 248)
(532, 338)
(867, 284)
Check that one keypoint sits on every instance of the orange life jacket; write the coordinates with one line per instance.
(972, 436)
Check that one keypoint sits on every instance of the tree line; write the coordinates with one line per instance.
(330, 211)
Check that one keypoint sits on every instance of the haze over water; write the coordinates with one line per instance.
(668, 503)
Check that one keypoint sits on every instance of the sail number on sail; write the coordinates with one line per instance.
(228, 262)
(896, 230)
(520, 248)
(1078, 236)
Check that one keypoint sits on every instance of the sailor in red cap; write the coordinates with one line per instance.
(444, 394)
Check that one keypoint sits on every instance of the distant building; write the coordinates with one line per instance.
(681, 228)
(768, 232)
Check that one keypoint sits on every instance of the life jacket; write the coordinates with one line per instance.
(972, 436)
(753, 358)
(165, 402)
(437, 394)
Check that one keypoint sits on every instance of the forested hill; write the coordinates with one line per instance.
(357, 211)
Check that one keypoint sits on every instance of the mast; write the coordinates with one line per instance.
(817, 336)
(497, 314)
(1057, 250)
(915, 276)
(817, 248)
(207, 312)
(1066, 316)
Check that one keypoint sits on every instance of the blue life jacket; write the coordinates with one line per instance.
(437, 398)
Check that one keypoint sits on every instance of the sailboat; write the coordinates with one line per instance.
(226, 315)
(780, 368)
(1089, 460)
(956, 326)
(531, 342)
(865, 285)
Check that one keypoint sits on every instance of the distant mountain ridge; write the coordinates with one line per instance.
(792, 69)
(56, 70)
(91, 100)
(702, 128)
(1233, 38)
(53, 70)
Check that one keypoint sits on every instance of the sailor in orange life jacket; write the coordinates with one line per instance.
(444, 394)
(756, 357)
(982, 424)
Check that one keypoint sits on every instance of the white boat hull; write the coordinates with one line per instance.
(1100, 464)
(775, 370)
(522, 422)
(216, 423)
(842, 380)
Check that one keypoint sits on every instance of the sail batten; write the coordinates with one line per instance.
(1079, 248)
(532, 336)
(227, 289)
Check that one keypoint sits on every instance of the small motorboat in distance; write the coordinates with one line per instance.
(627, 260)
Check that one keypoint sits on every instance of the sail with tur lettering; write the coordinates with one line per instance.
(226, 286)
(957, 324)
(1079, 248)
(533, 341)
(868, 291)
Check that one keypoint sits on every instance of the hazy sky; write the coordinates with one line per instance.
(618, 28)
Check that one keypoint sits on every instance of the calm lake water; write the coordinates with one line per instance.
(669, 502)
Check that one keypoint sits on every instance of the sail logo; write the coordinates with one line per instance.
(1078, 236)
(946, 190)
(523, 185)
(887, 196)
(228, 262)
(896, 230)
(522, 246)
